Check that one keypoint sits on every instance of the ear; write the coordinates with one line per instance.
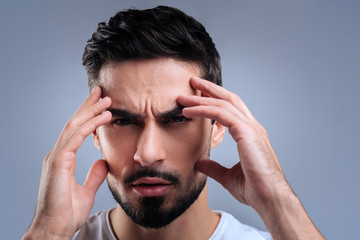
(218, 132)
(96, 140)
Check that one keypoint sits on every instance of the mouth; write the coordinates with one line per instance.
(151, 186)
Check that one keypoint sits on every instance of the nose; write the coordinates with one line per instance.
(149, 149)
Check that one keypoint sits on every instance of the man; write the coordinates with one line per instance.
(155, 118)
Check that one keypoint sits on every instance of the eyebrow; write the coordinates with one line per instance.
(118, 112)
(172, 112)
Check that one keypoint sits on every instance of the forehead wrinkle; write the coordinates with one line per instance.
(123, 112)
(150, 86)
(146, 107)
(149, 103)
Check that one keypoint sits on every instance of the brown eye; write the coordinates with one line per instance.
(176, 120)
(123, 122)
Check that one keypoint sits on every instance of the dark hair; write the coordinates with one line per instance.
(152, 33)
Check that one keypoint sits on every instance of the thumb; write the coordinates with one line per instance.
(96, 176)
(212, 169)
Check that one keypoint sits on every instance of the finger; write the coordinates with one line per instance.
(209, 88)
(79, 136)
(213, 90)
(193, 100)
(93, 97)
(226, 117)
(212, 169)
(80, 117)
(89, 109)
(96, 176)
(196, 106)
(92, 107)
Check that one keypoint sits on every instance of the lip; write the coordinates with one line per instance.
(151, 186)
(150, 180)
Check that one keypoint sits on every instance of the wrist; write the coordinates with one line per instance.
(40, 234)
(275, 203)
(286, 218)
(38, 230)
(276, 209)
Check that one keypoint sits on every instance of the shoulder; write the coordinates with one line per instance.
(96, 227)
(230, 228)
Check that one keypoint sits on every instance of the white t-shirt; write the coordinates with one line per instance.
(98, 227)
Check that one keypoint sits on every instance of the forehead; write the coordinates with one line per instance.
(155, 83)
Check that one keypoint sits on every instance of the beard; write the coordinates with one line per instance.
(150, 212)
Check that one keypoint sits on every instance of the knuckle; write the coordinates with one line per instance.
(86, 129)
(80, 132)
(260, 128)
(234, 98)
(95, 110)
(227, 104)
(66, 155)
(207, 88)
(264, 130)
(63, 160)
(71, 124)
(46, 159)
(217, 113)
(47, 156)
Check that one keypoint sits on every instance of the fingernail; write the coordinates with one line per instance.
(197, 78)
(93, 90)
(106, 113)
(106, 98)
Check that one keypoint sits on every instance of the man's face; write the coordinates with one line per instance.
(150, 147)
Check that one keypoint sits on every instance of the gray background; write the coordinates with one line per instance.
(295, 64)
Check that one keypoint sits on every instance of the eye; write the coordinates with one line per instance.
(176, 120)
(123, 122)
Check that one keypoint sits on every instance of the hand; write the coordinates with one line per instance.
(257, 179)
(258, 175)
(63, 205)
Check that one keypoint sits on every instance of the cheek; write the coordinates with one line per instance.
(183, 146)
(117, 149)
(189, 144)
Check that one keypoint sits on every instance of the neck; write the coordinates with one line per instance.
(197, 222)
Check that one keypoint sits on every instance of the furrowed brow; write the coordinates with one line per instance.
(117, 112)
(172, 112)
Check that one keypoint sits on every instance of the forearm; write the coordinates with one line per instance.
(33, 234)
(43, 227)
(257, 179)
(286, 218)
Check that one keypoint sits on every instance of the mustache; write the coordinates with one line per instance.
(168, 176)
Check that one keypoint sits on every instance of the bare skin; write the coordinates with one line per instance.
(63, 205)
(157, 140)
(256, 180)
